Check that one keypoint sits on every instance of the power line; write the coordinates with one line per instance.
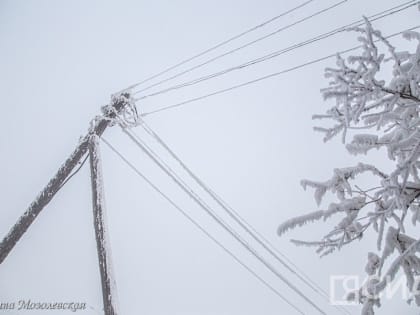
(218, 45)
(275, 74)
(199, 226)
(214, 216)
(76, 171)
(238, 218)
(277, 53)
(246, 45)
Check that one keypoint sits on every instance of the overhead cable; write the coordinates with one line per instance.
(200, 227)
(238, 218)
(245, 45)
(269, 76)
(274, 54)
(254, 28)
(217, 218)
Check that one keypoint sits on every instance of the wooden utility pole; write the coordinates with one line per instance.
(54, 185)
(100, 224)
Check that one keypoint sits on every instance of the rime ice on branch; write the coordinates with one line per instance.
(388, 115)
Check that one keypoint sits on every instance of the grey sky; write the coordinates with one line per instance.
(61, 60)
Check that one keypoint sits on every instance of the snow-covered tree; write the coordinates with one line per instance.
(387, 112)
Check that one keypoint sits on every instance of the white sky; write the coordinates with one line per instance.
(61, 60)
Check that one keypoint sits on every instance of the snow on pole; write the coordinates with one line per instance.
(100, 224)
(47, 194)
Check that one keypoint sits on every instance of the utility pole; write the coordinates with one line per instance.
(100, 224)
(54, 185)
(90, 143)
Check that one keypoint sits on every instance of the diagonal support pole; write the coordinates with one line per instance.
(54, 185)
(102, 242)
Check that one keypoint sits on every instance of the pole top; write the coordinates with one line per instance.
(122, 110)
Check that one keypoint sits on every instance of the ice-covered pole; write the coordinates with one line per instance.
(53, 186)
(100, 224)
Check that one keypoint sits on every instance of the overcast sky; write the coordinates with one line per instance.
(61, 61)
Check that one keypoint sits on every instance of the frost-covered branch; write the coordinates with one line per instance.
(388, 113)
